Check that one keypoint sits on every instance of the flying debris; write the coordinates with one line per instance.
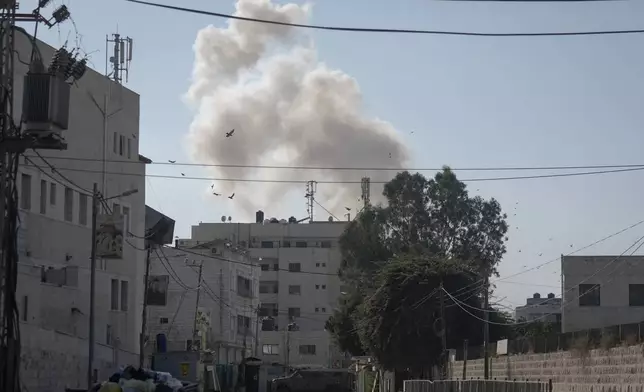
(183, 174)
(229, 134)
(171, 161)
(347, 208)
(216, 194)
(231, 196)
(212, 186)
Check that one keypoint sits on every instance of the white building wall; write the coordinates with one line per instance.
(540, 309)
(614, 275)
(318, 282)
(47, 238)
(220, 298)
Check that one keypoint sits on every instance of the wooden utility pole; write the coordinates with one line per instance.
(486, 328)
(144, 313)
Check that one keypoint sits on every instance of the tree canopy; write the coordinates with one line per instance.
(397, 255)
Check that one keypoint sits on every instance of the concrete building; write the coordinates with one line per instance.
(540, 309)
(299, 286)
(600, 291)
(55, 236)
(227, 302)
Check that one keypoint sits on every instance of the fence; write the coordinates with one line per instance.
(476, 386)
(608, 337)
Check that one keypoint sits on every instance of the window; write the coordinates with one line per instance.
(589, 295)
(129, 148)
(124, 295)
(243, 287)
(108, 335)
(293, 312)
(43, 196)
(115, 143)
(294, 267)
(323, 310)
(52, 194)
(300, 244)
(268, 309)
(25, 192)
(317, 264)
(69, 204)
(307, 349)
(276, 267)
(265, 267)
(636, 295)
(115, 295)
(295, 289)
(163, 320)
(243, 324)
(268, 287)
(267, 244)
(126, 221)
(323, 287)
(317, 286)
(325, 244)
(271, 349)
(323, 264)
(121, 144)
(286, 244)
(25, 308)
(317, 310)
(82, 209)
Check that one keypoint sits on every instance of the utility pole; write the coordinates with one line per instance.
(257, 332)
(194, 328)
(465, 345)
(443, 332)
(486, 328)
(92, 288)
(144, 313)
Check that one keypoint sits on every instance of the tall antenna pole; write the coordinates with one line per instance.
(365, 185)
(121, 57)
(311, 188)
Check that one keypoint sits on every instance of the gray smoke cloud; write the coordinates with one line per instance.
(287, 108)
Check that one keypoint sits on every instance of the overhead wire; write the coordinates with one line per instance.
(384, 30)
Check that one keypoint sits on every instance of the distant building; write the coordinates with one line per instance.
(540, 309)
(600, 291)
(298, 288)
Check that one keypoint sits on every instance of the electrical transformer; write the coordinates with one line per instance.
(45, 106)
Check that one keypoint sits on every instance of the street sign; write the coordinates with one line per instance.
(109, 236)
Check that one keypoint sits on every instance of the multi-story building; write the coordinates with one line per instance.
(225, 300)
(299, 285)
(55, 200)
(540, 309)
(600, 291)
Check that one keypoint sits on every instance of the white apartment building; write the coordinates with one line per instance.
(55, 238)
(227, 298)
(601, 291)
(299, 286)
(546, 310)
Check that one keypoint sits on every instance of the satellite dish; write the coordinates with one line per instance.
(223, 218)
(230, 219)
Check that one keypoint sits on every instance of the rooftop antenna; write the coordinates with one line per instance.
(121, 58)
(311, 188)
(365, 185)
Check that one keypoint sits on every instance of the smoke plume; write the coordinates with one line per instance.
(287, 108)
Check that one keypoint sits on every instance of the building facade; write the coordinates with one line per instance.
(546, 310)
(601, 291)
(298, 288)
(55, 236)
(224, 302)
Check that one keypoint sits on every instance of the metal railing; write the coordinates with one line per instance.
(476, 385)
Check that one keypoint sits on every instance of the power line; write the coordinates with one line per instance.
(384, 30)
(269, 181)
(356, 168)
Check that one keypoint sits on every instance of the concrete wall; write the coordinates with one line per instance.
(614, 370)
(52, 361)
(613, 274)
(319, 284)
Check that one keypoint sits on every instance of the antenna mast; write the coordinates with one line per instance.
(365, 184)
(311, 188)
(121, 58)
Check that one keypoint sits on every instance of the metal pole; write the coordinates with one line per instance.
(465, 343)
(144, 313)
(256, 332)
(443, 333)
(92, 288)
(486, 328)
(194, 327)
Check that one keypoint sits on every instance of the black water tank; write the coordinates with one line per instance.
(292, 220)
(259, 216)
(536, 295)
(551, 295)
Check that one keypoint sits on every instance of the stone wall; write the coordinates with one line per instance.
(619, 369)
(52, 361)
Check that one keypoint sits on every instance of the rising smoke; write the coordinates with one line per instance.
(287, 108)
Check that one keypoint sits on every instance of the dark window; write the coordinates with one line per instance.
(268, 287)
(589, 295)
(268, 309)
(114, 303)
(307, 349)
(325, 244)
(317, 264)
(295, 289)
(25, 308)
(265, 267)
(300, 244)
(43, 196)
(243, 324)
(52, 194)
(267, 244)
(286, 244)
(164, 320)
(276, 267)
(636, 295)
(25, 192)
(323, 287)
(294, 267)
(243, 287)
(317, 286)
(293, 312)
(323, 310)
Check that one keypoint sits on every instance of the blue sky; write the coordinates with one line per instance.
(469, 101)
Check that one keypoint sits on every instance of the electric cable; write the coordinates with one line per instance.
(384, 30)
(56, 170)
(325, 209)
(356, 168)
